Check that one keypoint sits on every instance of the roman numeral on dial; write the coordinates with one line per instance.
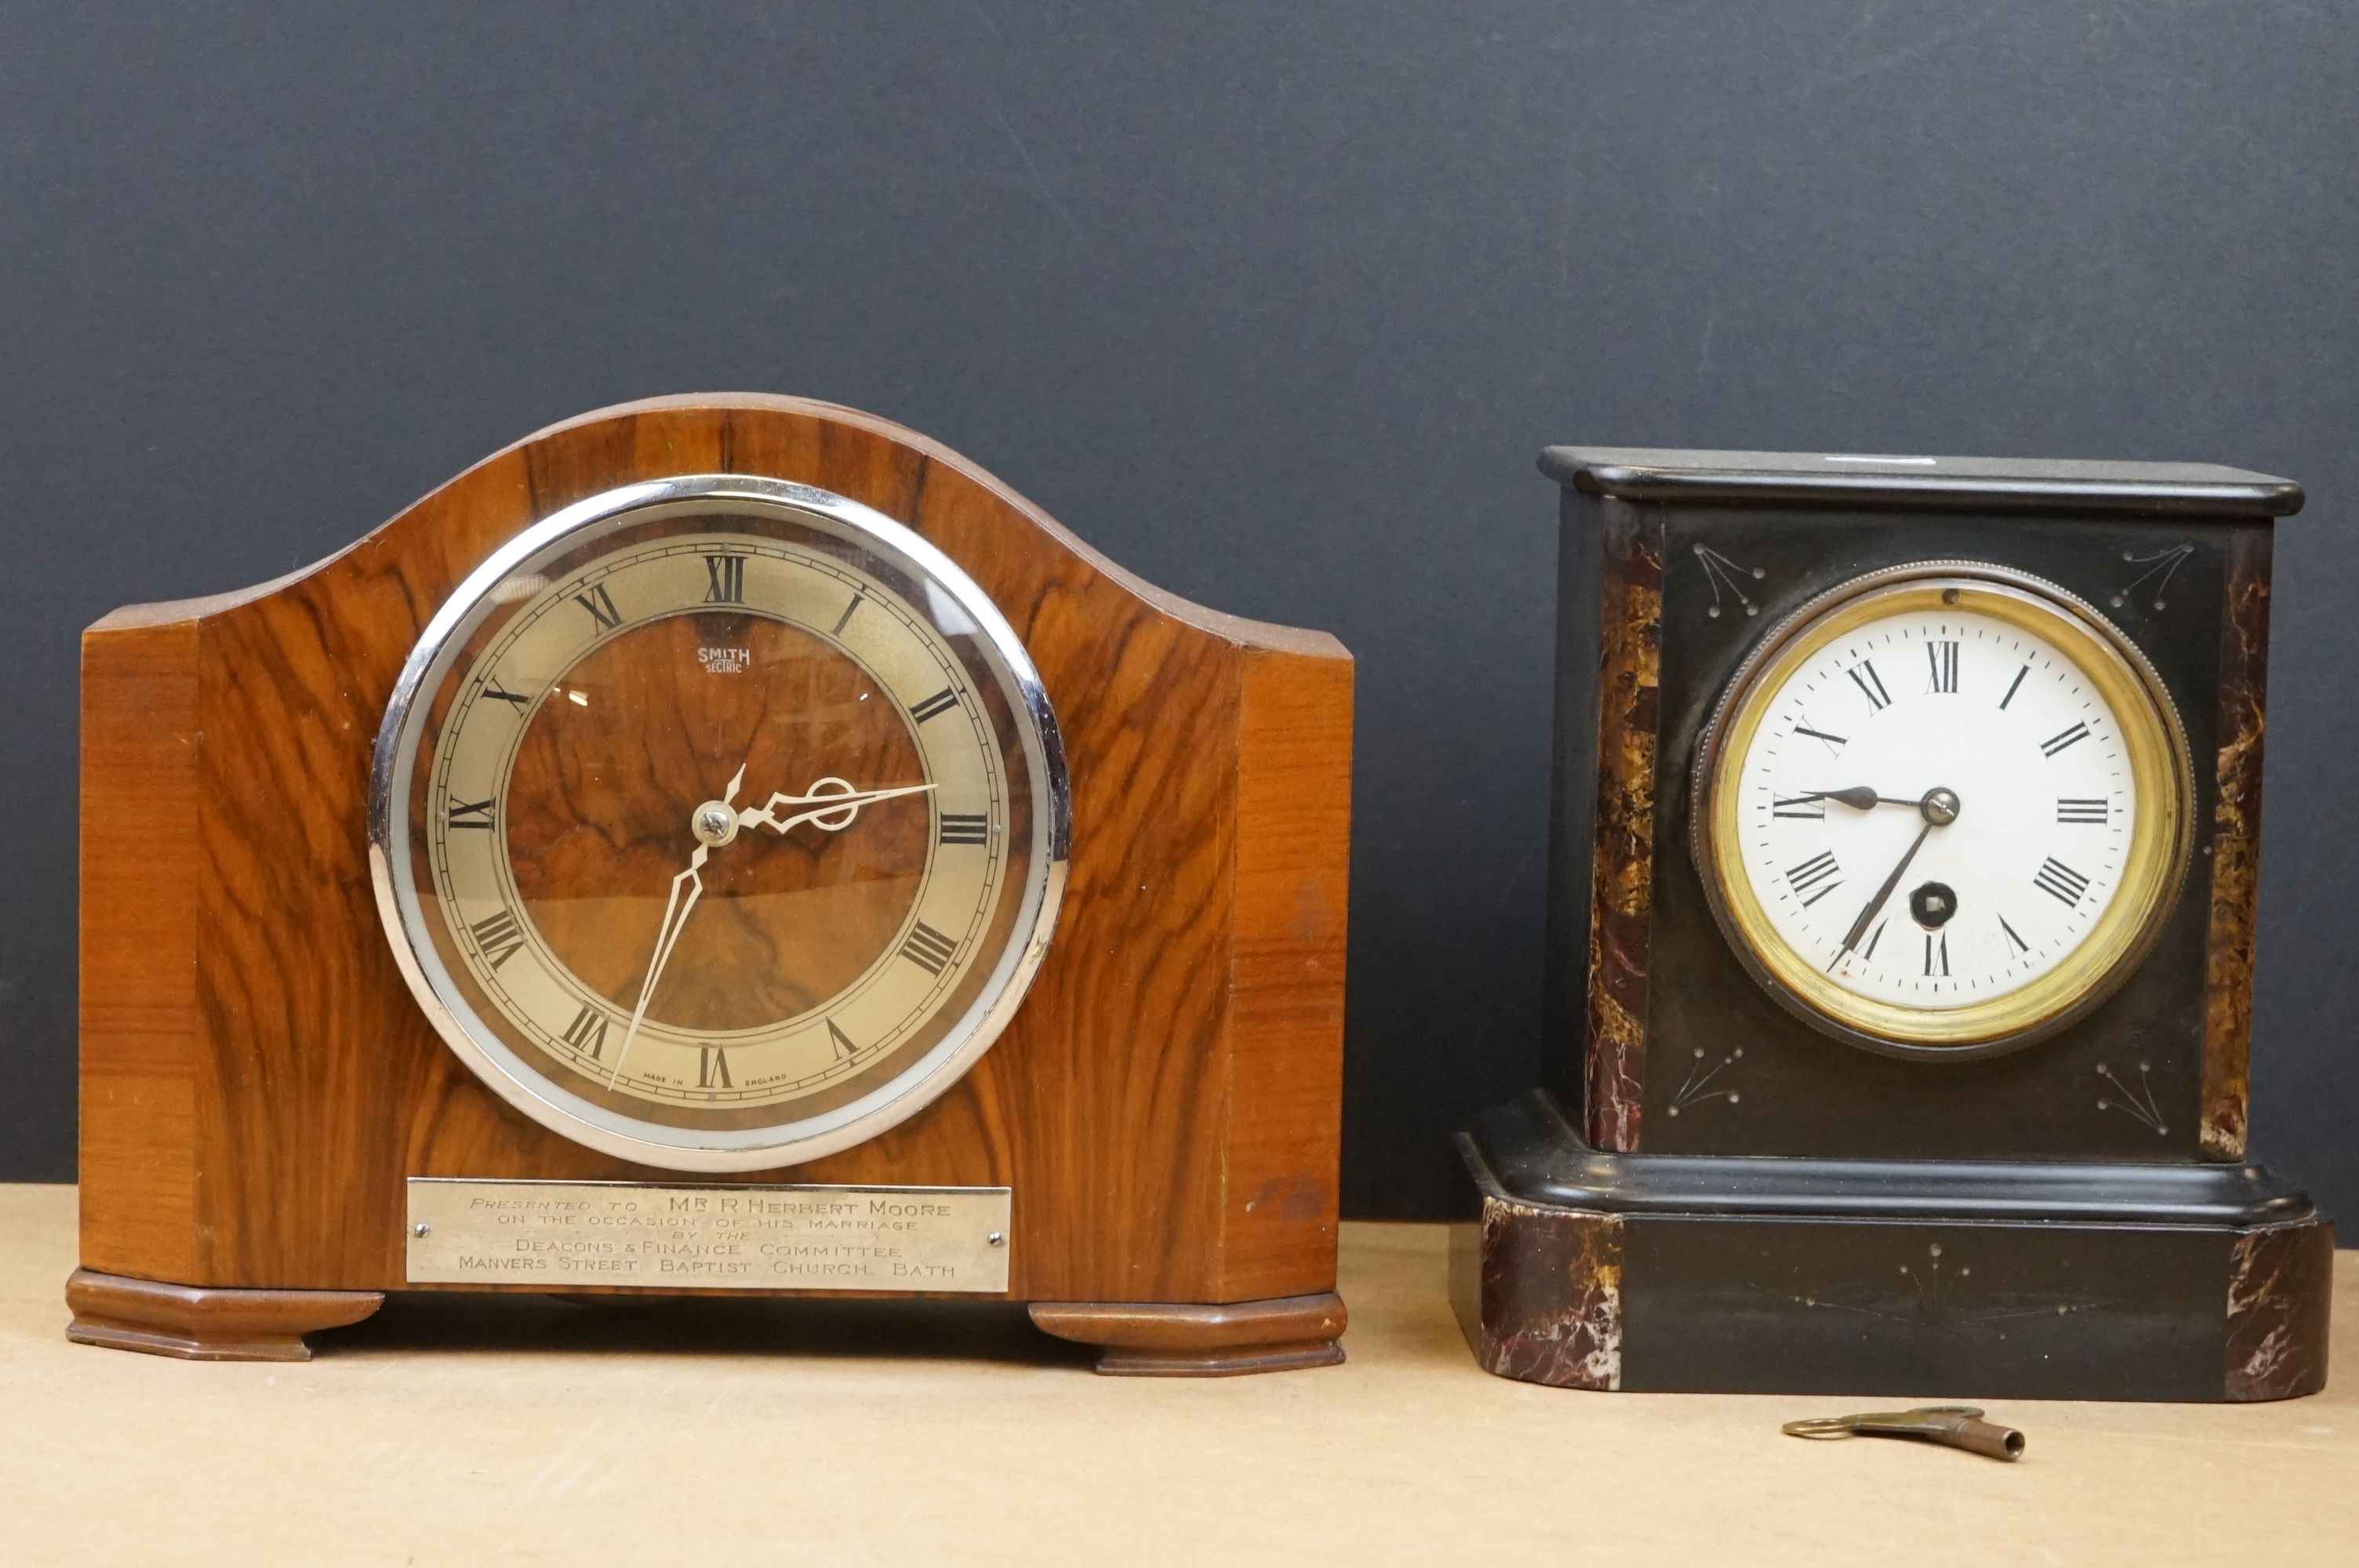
(1834, 743)
(1871, 684)
(927, 948)
(2020, 945)
(2057, 877)
(727, 576)
(1801, 805)
(2011, 685)
(587, 1032)
(601, 606)
(1818, 868)
(2071, 809)
(497, 937)
(934, 706)
(493, 689)
(958, 828)
(1943, 657)
(470, 814)
(2064, 740)
(1937, 953)
(712, 1068)
(844, 1046)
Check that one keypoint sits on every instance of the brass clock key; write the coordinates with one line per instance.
(1954, 1426)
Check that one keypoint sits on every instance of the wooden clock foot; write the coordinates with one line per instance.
(198, 1322)
(1146, 1340)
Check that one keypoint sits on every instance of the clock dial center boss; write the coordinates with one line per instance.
(2016, 829)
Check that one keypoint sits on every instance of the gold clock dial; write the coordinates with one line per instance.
(729, 832)
(1943, 809)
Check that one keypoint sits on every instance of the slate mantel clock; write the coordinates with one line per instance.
(1901, 970)
(716, 844)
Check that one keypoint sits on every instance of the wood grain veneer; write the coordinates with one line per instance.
(257, 1083)
(192, 1323)
(1202, 1341)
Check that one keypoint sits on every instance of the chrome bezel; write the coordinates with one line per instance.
(509, 1075)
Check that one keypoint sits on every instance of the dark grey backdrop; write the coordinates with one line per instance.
(1273, 303)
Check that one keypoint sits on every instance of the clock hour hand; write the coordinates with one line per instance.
(827, 798)
(1859, 797)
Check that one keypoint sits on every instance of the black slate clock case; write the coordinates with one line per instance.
(1712, 1194)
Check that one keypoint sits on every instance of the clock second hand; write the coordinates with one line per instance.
(1941, 808)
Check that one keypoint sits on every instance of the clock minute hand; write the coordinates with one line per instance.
(674, 919)
(1859, 926)
(1939, 806)
(667, 934)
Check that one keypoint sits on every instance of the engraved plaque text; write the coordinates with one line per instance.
(568, 1233)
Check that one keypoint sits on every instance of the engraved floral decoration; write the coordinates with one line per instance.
(1699, 1084)
(2159, 565)
(1722, 573)
(2137, 1102)
(1934, 1297)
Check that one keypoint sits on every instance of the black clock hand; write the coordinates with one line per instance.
(1940, 809)
(1859, 797)
(1859, 926)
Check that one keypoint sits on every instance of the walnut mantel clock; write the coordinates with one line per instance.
(717, 844)
(1901, 967)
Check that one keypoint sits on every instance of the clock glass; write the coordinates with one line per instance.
(719, 823)
(1942, 809)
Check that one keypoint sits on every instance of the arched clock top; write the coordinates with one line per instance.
(911, 478)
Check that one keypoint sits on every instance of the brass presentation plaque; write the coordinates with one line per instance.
(568, 1234)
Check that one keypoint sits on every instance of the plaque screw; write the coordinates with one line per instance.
(421, 1229)
(996, 1239)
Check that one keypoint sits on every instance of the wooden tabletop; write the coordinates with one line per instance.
(457, 1430)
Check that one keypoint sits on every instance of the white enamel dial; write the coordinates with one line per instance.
(1987, 900)
(1943, 809)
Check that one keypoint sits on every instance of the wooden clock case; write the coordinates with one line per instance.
(257, 1083)
(1711, 1194)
